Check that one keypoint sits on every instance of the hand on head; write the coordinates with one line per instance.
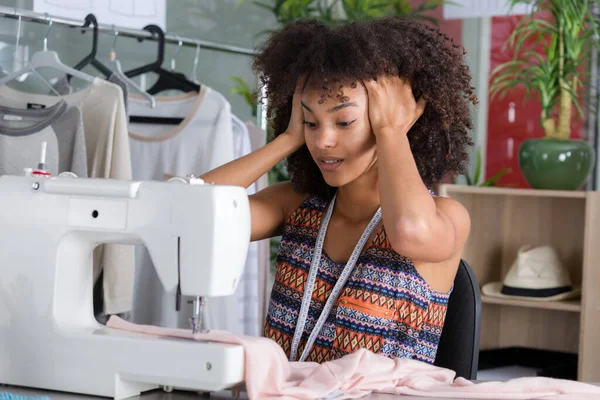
(296, 125)
(392, 105)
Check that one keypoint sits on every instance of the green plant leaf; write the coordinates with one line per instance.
(575, 100)
(286, 11)
(492, 181)
(242, 88)
(477, 167)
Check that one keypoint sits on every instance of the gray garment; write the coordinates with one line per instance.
(22, 132)
(63, 87)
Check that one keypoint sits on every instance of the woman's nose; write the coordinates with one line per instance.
(326, 139)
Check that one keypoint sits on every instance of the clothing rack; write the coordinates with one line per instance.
(30, 16)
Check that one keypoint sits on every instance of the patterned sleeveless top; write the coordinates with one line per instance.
(385, 307)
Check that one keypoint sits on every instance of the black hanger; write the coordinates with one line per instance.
(91, 59)
(144, 119)
(167, 80)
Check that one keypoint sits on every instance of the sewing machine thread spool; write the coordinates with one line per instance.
(42, 166)
(43, 153)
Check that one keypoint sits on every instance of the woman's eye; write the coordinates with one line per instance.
(345, 123)
(310, 124)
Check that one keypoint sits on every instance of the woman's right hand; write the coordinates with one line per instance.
(268, 207)
(295, 127)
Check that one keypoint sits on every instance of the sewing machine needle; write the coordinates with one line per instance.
(196, 320)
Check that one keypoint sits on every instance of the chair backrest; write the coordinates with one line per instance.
(458, 349)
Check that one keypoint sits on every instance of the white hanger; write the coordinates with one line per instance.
(121, 75)
(179, 44)
(46, 59)
(194, 74)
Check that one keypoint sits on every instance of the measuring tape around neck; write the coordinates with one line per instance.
(339, 285)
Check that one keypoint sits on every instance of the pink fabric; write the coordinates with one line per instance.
(269, 375)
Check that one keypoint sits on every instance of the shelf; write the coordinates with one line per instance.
(505, 218)
(564, 305)
(497, 190)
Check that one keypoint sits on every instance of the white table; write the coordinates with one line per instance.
(161, 395)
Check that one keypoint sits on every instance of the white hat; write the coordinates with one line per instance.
(537, 274)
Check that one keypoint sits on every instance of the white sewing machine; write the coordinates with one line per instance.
(198, 237)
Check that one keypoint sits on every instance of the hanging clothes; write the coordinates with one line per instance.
(108, 156)
(22, 133)
(63, 86)
(201, 142)
(247, 293)
(258, 138)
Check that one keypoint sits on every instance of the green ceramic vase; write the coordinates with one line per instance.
(556, 164)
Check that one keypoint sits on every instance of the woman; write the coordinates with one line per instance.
(369, 116)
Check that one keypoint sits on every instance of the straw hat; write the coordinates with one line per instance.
(537, 274)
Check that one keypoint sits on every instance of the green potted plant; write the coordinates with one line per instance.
(565, 30)
(337, 12)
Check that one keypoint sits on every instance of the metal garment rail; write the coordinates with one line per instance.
(30, 16)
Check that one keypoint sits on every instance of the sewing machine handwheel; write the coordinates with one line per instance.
(191, 179)
(67, 174)
(177, 180)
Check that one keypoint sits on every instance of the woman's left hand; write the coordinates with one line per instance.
(392, 105)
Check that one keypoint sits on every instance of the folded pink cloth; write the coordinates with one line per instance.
(269, 375)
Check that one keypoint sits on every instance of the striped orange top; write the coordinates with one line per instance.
(385, 307)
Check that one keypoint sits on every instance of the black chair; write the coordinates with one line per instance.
(458, 349)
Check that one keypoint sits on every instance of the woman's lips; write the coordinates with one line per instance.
(330, 163)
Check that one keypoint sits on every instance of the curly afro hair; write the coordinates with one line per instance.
(424, 56)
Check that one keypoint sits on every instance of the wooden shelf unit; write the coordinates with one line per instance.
(565, 305)
(503, 220)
